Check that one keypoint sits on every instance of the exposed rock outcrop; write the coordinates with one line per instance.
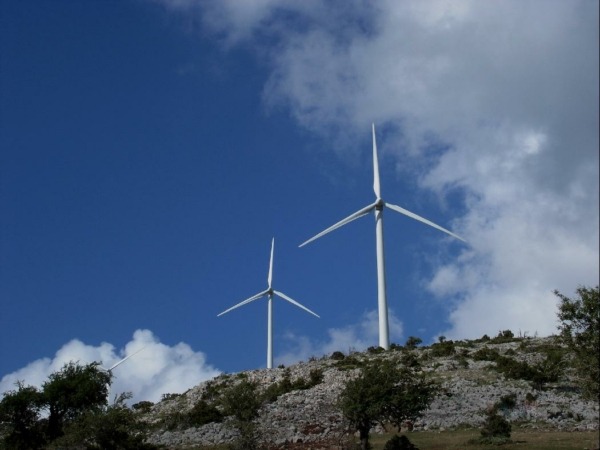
(468, 388)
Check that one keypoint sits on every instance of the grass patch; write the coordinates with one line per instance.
(464, 439)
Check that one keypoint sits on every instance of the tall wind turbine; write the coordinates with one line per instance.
(269, 293)
(377, 208)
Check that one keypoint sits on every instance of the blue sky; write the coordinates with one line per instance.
(150, 150)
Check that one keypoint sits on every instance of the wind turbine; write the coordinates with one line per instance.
(377, 208)
(269, 293)
(114, 366)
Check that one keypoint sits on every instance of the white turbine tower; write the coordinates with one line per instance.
(269, 292)
(377, 208)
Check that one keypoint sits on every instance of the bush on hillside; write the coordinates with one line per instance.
(375, 350)
(496, 429)
(443, 348)
(412, 342)
(504, 337)
(286, 385)
(203, 413)
(337, 356)
(399, 443)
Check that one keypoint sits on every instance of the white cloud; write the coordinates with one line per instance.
(158, 369)
(497, 101)
(358, 336)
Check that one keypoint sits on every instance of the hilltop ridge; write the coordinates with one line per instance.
(530, 378)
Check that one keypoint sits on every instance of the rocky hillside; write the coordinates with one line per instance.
(528, 378)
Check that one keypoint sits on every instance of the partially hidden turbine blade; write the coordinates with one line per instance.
(421, 219)
(350, 218)
(376, 182)
(294, 302)
(125, 359)
(248, 300)
(270, 277)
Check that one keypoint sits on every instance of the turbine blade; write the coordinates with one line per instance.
(342, 222)
(270, 278)
(294, 302)
(421, 219)
(124, 359)
(376, 182)
(248, 300)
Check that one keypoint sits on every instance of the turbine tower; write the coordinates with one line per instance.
(269, 293)
(377, 208)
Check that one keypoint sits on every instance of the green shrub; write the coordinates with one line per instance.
(517, 370)
(462, 361)
(409, 359)
(315, 377)
(412, 342)
(337, 356)
(507, 402)
(443, 348)
(213, 390)
(486, 354)
(551, 368)
(242, 402)
(504, 337)
(143, 406)
(286, 385)
(547, 371)
(496, 429)
(375, 350)
(174, 421)
(399, 443)
(203, 413)
(530, 398)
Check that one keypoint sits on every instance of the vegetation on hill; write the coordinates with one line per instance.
(376, 387)
(74, 401)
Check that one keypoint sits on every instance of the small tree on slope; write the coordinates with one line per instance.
(384, 393)
(580, 331)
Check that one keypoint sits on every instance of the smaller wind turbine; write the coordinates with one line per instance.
(269, 293)
(114, 366)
